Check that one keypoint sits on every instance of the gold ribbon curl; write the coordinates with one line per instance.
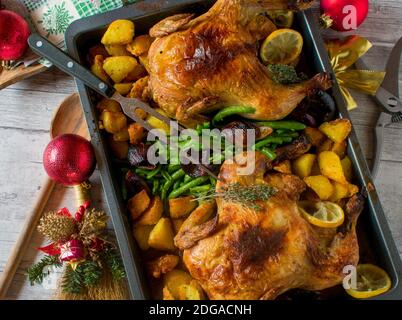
(343, 54)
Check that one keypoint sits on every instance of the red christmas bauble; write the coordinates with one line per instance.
(14, 33)
(69, 159)
(347, 15)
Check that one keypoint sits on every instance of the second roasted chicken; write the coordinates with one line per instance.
(210, 62)
(249, 253)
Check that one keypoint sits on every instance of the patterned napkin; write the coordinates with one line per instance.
(52, 17)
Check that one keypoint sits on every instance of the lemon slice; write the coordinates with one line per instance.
(323, 214)
(371, 281)
(282, 46)
(282, 18)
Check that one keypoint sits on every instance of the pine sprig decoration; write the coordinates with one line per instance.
(114, 263)
(72, 281)
(86, 274)
(91, 272)
(57, 227)
(37, 273)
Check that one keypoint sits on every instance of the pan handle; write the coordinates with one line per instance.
(64, 62)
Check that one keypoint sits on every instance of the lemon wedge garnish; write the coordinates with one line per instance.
(322, 214)
(282, 46)
(371, 281)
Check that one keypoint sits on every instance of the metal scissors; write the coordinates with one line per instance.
(389, 99)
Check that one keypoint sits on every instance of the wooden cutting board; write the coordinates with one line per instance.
(9, 77)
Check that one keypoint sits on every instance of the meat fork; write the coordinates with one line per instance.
(388, 98)
(61, 60)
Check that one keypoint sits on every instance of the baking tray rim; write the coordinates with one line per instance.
(137, 11)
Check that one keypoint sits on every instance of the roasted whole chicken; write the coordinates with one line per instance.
(244, 253)
(210, 62)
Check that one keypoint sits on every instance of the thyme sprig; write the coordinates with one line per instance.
(246, 195)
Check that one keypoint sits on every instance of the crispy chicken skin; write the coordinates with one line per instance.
(260, 254)
(210, 62)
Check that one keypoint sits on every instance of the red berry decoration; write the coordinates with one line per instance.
(14, 33)
(69, 159)
(344, 15)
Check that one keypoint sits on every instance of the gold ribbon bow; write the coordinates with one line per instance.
(343, 54)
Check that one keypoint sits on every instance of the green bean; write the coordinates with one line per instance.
(212, 181)
(187, 178)
(155, 187)
(268, 153)
(231, 111)
(175, 176)
(154, 172)
(173, 167)
(176, 184)
(281, 131)
(286, 135)
(200, 189)
(287, 139)
(266, 141)
(288, 125)
(141, 171)
(166, 175)
(187, 186)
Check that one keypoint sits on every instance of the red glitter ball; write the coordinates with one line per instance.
(14, 33)
(69, 159)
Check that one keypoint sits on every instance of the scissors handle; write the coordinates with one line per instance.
(388, 101)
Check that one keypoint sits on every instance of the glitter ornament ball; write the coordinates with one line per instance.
(69, 159)
(341, 13)
(14, 33)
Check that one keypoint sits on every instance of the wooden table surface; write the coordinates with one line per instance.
(26, 109)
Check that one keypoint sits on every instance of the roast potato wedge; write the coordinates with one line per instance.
(347, 168)
(337, 130)
(97, 68)
(109, 105)
(140, 45)
(174, 279)
(341, 191)
(321, 186)
(167, 295)
(331, 167)
(123, 88)
(153, 213)
(117, 50)
(122, 135)
(161, 236)
(162, 265)
(141, 235)
(181, 207)
(303, 165)
(138, 204)
(119, 32)
(113, 122)
(192, 291)
(136, 132)
(316, 136)
(119, 67)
